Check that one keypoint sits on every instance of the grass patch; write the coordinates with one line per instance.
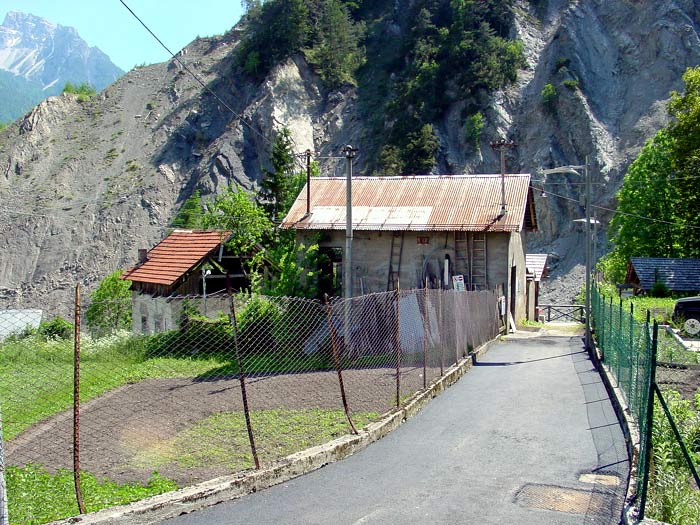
(36, 377)
(35, 496)
(222, 439)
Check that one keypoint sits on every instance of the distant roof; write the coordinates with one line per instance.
(679, 275)
(176, 255)
(537, 264)
(419, 203)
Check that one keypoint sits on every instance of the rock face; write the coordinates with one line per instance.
(46, 56)
(84, 185)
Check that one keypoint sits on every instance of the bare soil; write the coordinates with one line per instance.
(121, 428)
(685, 379)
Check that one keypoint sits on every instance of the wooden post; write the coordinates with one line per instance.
(76, 403)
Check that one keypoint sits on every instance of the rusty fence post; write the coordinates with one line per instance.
(338, 364)
(241, 371)
(426, 326)
(398, 345)
(76, 403)
(4, 517)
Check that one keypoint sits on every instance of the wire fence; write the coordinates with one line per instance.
(197, 387)
(643, 359)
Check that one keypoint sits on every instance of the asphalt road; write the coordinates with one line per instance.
(507, 444)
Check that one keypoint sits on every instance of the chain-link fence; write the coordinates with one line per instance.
(196, 387)
(643, 359)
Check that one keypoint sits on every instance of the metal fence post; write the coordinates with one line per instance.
(338, 364)
(649, 416)
(241, 372)
(398, 345)
(4, 517)
(425, 335)
(620, 351)
(631, 350)
(76, 403)
(441, 334)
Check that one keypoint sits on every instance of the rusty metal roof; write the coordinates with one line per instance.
(536, 263)
(175, 256)
(419, 203)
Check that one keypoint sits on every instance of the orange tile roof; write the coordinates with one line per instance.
(175, 255)
(419, 203)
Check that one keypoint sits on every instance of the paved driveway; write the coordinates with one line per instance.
(528, 436)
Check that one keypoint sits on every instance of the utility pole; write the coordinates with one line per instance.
(500, 146)
(308, 182)
(349, 152)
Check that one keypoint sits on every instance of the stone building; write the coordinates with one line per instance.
(409, 231)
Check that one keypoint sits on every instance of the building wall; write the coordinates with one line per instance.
(152, 315)
(372, 254)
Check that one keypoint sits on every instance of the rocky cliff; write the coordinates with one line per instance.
(84, 185)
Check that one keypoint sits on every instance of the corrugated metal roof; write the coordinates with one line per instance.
(419, 203)
(537, 264)
(679, 275)
(175, 255)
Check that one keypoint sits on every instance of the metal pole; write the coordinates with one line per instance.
(588, 255)
(349, 155)
(308, 182)
(4, 517)
(338, 364)
(76, 404)
(398, 345)
(241, 372)
(649, 422)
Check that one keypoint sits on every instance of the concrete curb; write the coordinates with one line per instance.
(189, 499)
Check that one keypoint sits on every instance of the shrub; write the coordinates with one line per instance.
(56, 328)
(572, 84)
(84, 91)
(659, 289)
(549, 97)
(473, 127)
(256, 325)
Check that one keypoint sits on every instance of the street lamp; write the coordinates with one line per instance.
(575, 171)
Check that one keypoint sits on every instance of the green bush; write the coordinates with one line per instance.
(56, 328)
(84, 91)
(659, 289)
(256, 325)
(571, 84)
(549, 97)
(473, 127)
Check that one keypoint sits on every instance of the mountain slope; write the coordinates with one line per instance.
(84, 185)
(41, 55)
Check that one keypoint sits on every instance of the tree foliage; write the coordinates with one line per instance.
(110, 305)
(191, 213)
(322, 29)
(237, 211)
(659, 202)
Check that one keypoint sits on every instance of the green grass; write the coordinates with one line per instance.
(35, 496)
(673, 497)
(36, 377)
(222, 439)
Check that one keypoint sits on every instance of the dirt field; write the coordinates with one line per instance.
(121, 428)
(684, 379)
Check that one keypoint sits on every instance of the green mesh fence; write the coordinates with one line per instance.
(627, 347)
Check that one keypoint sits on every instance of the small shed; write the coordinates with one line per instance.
(536, 264)
(418, 229)
(184, 263)
(678, 275)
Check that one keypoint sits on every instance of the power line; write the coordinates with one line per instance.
(201, 83)
(618, 212)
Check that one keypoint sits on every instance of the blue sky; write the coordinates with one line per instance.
(108, 25)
